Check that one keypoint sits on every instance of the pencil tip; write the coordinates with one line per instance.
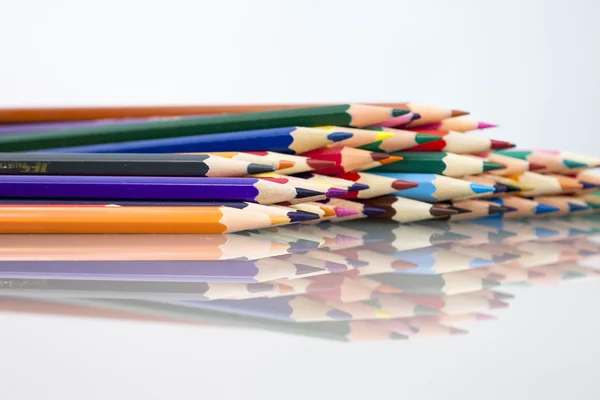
(357, 187)
(536, 166)
(485, 125)
(497, 209)
(415, 116)
(283, 164)
(578, 207)
(399, 184)
(339, 136)
(573, 164)
(379, 156)
(302, 193)
(460, 210)
(345, 212)
(501, 144)
(488, 283)
(441, 211)
(422, 138)
(490, 166)
(372, 211)
(298, 216)
(319, 164)
(459, 113)
(396, 112)
(259, 168)
(336, 192)
(512, 188)
(499, 188)
(480, 189)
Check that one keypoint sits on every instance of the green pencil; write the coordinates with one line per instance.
(441, 163)
(341, 115)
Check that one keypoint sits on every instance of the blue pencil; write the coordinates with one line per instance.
(433, 188)
(290, 140)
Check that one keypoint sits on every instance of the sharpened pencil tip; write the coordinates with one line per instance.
(283, 164)
(379, 156)
(512, 189)
(578, 207)
(503, 295)
(499, 188)
(396, 112)
(501, 144)
(588, 185)
(357, 187)
(336, 192)
(461, 210)
(319, 164)
(298, 216)
(573, 164)
(510, 209)
(259, 168)
(277, 220)
(345, 212)
(372, 211)
(497, 209)
(399, 184)
(302, 193)
(441, 211)
(421, 138)
(339, 136)
(480, 189)
(490, 166)
(488, 283)
(383, 135)
(536, 166)
(544, 232)
(415, 116)
(459, 113)
(485, 125)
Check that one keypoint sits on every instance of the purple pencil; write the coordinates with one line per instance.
(225, 271)
(146, 187)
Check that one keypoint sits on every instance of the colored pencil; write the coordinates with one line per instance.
(569, 185)
(346, 159)
(509, 183)
(510, 165)
(224, 271)
(146, 187)
(301, 164)
(478, 208)
(404, 210)
(65, 247)
(293, 309)
(434, 285)
(455, 305)
(442, 163)
(412, 237)
(431, 329)
(458, 124)
(321, 192)
(378, 185)
(589, 178)
(289, 140)
(399, 306)
(566, 204)
(399, 140)
(544, 184)
(486, 181)
(115, 219)
(367, 262)
(278, 161)
(433, 188)
(560, 162)
(127, 165)
(273, 210)
(524, 207)
(20, 115)
(360, 137)
(359, 310)
(459, 143)
(342, 183)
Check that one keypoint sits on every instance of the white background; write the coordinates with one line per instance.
(529, 65)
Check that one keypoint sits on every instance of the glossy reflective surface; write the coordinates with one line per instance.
(426, 309)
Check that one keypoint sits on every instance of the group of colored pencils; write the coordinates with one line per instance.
(352, 281)
(220, 169)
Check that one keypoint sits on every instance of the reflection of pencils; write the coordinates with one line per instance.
(400, 306)
(113, 219)
(459, 143)
(346, 159)
(290, 140)
(433, 188)
(20, 115)
(378, 185)
(230, 271)
(405, 210)
(438, 260)
(127, 165)
(458, 124)
(344, 115)
(136, 247)
(442, 163)
(146, 187)
(434, 285)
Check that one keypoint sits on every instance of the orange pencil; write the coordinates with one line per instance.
(115, 219)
